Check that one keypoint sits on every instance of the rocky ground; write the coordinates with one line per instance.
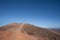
(23, 31)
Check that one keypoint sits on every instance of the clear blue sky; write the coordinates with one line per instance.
(44, 13)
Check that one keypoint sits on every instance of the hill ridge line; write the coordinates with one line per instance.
(21, 26)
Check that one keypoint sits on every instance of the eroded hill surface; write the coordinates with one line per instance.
(25, 31)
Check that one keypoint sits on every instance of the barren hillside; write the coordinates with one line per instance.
(23, 31)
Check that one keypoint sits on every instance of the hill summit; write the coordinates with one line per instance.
(25, 31)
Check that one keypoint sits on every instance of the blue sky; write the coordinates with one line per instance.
(44, 13)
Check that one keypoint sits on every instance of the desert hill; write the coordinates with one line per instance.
(24, 31)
